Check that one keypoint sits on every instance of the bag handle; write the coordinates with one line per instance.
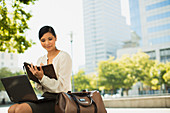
(84, 105)
(79, 103)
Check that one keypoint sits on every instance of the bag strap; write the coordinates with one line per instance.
(95, 106)
(78, 107)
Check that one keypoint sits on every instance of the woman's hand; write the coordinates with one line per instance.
(37, 73)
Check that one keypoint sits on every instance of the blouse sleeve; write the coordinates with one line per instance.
(38, 86)
(64, 69)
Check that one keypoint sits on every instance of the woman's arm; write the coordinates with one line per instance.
(63, 67)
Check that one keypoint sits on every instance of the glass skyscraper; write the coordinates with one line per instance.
(135, 17)
(104, 31)
(152, 19)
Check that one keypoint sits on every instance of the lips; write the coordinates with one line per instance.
(48, 47)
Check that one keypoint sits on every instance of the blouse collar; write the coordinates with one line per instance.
(46, 57)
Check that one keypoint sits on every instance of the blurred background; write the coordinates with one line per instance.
(118, 47)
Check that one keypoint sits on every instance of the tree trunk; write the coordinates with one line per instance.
(127, 92)
(166, 88)
(112, 91)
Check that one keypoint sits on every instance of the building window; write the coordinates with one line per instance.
(160, 40)
(158, 17)
(158, 5)
(152, 54)
(165, 55)
(158, 28)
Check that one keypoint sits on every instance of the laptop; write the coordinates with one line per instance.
(19, 89)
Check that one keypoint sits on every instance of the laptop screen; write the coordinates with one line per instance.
(19, 88)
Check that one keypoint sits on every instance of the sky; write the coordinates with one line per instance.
(65, 16)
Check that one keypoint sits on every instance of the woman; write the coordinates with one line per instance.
(63, 67)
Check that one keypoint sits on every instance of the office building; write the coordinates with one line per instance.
(104, 31)
(151, 18)
(160, 53)
(9, 60)
(135, 17)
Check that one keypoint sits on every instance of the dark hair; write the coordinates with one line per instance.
(46, 29)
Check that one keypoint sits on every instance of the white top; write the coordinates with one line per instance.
(63, 68)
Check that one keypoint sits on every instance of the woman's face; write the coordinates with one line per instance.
(48, 41)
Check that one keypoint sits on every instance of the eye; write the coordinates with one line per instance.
(42, 40)
(50, 38)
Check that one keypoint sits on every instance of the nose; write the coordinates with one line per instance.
(46, 42)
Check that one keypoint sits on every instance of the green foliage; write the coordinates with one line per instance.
(81, 82)
(27, 2)
(93, 80)
(111, 74)
(5, 72)
(166, 76)
(143, 67)
(124, 73)
(13, 25)
(157, 73)
(131, 71)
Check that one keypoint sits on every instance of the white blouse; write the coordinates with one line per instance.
(63, 68)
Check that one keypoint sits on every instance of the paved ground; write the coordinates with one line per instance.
(138, 110)
(120, 110)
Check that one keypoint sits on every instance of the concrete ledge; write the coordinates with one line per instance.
(138, 102)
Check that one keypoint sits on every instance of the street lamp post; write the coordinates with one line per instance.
(71, 40)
